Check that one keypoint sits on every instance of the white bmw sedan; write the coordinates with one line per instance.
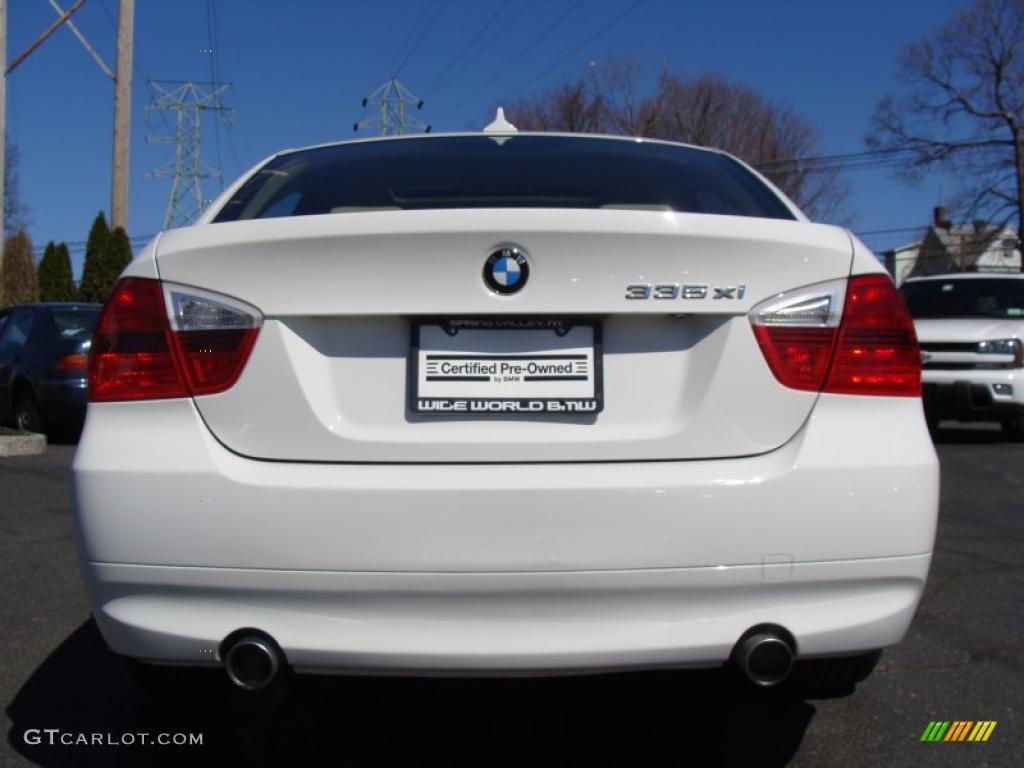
(504, 403)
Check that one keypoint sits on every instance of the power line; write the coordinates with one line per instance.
(110, 16)
(214, 25)
(913, 228)
(964, 246)
(515, 59)
(211, 33)
(891, 155)
(867, 160)
(499, 35)
(439, 9)
(211, 29)
(841, 157)
(228, 125)
(490, 20)
(581, 46)
(393, 61)
(75, 246)
(894, 230)
(835, 168)
(853, 161)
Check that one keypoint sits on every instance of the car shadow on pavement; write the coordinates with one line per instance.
(64, 434)
(706, 717)
(974, 434)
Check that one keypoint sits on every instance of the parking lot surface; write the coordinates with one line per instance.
(962, 660)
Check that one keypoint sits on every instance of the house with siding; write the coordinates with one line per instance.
(948, 247)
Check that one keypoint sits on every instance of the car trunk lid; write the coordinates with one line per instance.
(331, 379)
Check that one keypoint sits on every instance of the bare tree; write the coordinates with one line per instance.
(706, 110)
(576, 107)
(712, 112)
(626, 110)
(14, 213)
(961, 108)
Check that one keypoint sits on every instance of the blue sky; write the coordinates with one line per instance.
(301, 68)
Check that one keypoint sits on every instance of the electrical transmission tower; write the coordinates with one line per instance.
(186, 102)
(393, 100)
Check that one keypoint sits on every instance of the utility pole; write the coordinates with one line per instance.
(186, 102)
(63, 17)
(122, 115)
(392, 99)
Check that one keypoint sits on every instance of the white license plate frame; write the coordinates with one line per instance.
(474, 368)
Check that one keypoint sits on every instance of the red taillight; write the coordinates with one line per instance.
(131, 356)
(137, 354)
(877, 352)
(870, 350)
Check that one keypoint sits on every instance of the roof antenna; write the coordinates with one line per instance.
(500, 124)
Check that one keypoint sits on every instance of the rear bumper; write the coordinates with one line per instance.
(518, 568)
(506, 623)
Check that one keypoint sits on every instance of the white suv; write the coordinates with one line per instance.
(971, 330)
(504, 404)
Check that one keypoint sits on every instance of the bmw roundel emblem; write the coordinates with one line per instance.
(506, 270)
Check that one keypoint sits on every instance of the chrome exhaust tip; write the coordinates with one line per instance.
(765, 657)
(252, 662)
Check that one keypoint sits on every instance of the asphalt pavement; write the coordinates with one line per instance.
(962, 660)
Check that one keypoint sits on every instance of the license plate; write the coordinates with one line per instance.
(505, 366)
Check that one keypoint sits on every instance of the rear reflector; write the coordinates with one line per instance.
(76, 361)
(798, 357)
(868, 349)
(138, 353)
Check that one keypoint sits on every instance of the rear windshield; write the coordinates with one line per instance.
(75, 322)
(502, 172)
(979, 297)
